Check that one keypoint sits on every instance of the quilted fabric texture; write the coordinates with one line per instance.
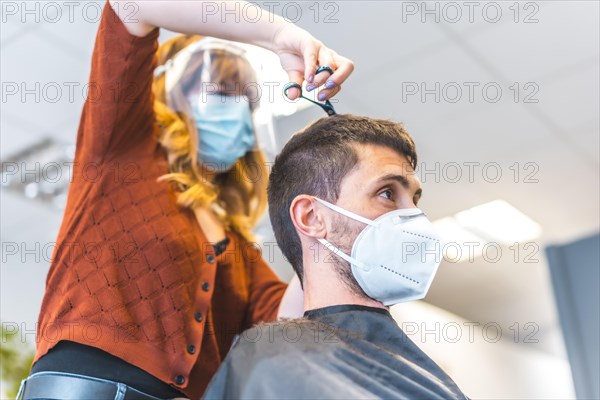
(132, 273)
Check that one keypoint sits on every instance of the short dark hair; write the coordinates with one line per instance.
(314, 162)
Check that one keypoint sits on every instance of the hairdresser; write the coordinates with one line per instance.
(154, 271)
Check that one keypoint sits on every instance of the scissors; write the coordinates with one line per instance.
(327, 107)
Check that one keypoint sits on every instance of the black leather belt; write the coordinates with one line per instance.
(72, 387)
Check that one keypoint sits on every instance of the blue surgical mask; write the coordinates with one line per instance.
(224, 125)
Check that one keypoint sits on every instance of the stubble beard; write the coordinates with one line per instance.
(342, 236)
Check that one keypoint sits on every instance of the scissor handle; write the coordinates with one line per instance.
(299, 87)
(324, 68)
(290, 85)
(325, 106)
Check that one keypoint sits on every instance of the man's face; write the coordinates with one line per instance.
(382, 181)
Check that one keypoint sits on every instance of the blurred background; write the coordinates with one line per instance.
(502, 99)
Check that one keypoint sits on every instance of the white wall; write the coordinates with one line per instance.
(484, 362)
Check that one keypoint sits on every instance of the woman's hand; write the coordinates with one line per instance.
(301, 54)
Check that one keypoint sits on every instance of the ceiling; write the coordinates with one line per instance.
(549, 133)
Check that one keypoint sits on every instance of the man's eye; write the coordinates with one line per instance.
(388, 194)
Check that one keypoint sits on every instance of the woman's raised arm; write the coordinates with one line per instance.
(299, 52)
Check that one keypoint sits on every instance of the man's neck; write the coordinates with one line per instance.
(323, 288)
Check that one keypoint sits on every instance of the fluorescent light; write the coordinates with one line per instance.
(40, 172)
(457, 242)
(451, 232)
(32, 190)
(498, 221)
(464, 235)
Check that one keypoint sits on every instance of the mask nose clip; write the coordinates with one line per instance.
(398, 219)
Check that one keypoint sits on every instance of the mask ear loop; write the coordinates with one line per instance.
(334, 249)
(347, 213)
(343, 255)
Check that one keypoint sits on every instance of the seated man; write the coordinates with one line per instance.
(342, 202)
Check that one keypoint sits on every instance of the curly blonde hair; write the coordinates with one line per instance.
(238, 196)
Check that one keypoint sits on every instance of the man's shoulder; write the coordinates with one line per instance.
(283, 337)
(284, 359)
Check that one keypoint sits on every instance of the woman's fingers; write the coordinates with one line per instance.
(326, 59)
(342, 72)
(342, 68)
(310, 64)
(327, 94)
(301, 54)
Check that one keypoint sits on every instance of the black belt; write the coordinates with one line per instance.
(71, 387)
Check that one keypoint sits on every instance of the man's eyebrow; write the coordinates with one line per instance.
(393, 177)
(401, 179)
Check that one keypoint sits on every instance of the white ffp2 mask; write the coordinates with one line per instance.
(395, 257)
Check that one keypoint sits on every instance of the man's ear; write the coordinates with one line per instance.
(305, 218)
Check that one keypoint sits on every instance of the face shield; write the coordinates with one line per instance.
(210, 71)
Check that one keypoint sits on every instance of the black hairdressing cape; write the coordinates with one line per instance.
(337, 352)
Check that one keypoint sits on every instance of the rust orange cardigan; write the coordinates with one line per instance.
(132, 273)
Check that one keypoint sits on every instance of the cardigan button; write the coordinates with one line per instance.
(206, 286)
(210, 258)
(198, 316)
(179, 379)
(191, 349)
